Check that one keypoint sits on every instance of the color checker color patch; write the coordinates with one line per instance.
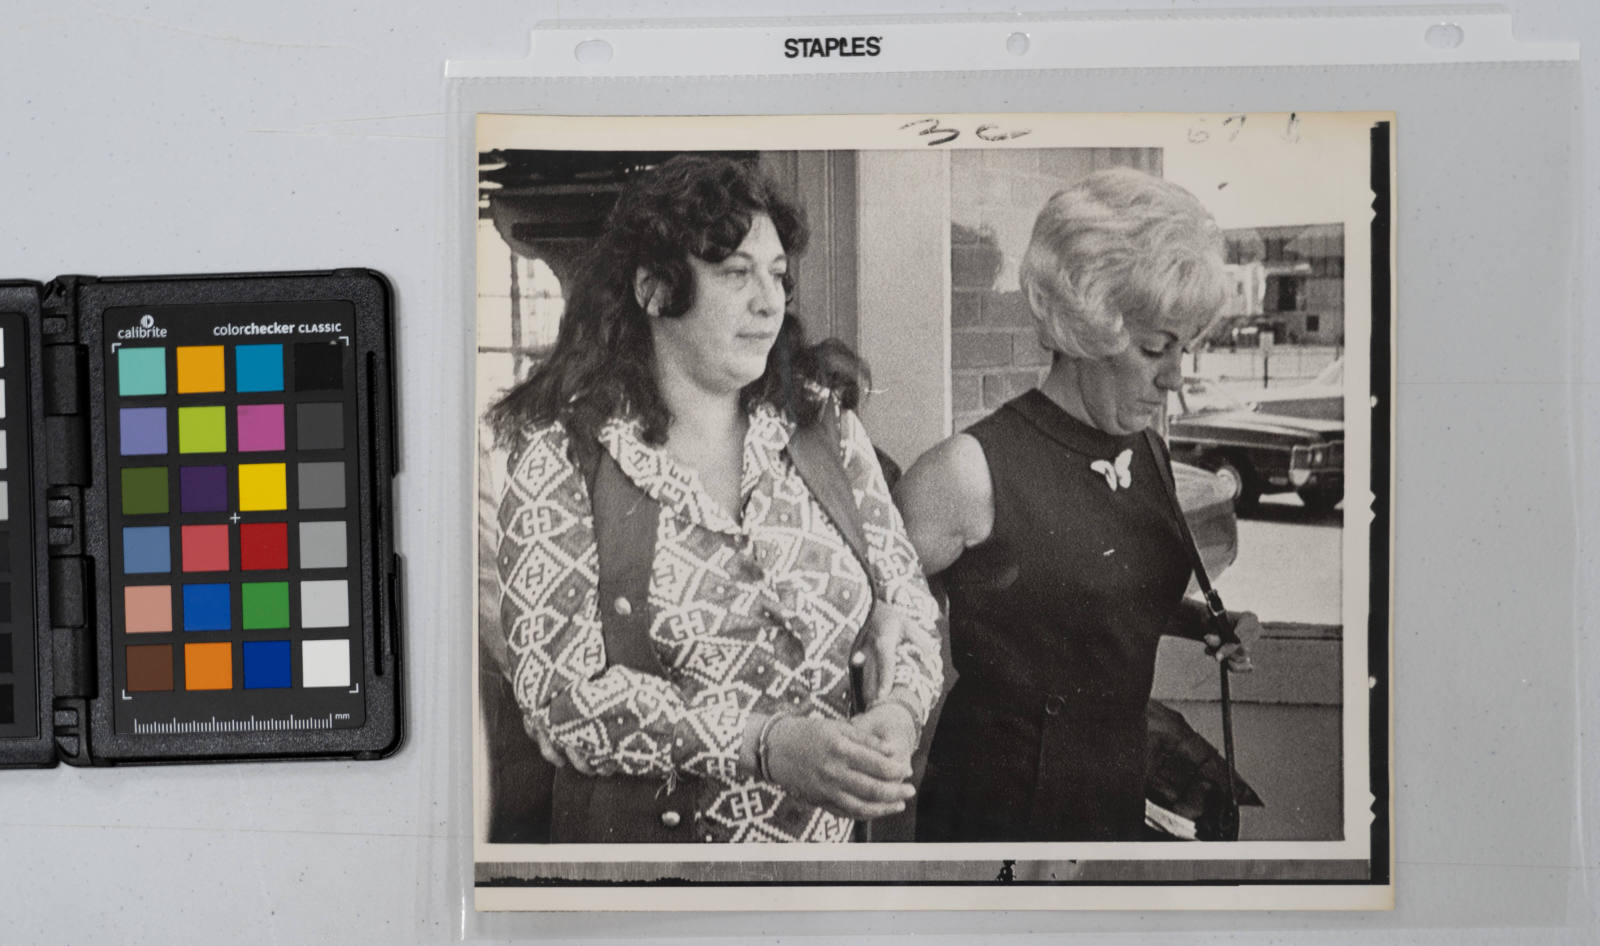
(203, 488)
(141, 372)
(265, 604)
(147, 609)
(326, 662)
(266, 665)
(264, 546)
(143, 430)
(200, 369)
(207, 607)
(258, 367)
(260, 427)
(319, 426)
(205, 548)
(322, 485)
(322, 544)
(318, 367)
(202, 429)
(208, 666)
(146, 549)
(144, 490)
(149, 667)
(325, 603)
(262, 487)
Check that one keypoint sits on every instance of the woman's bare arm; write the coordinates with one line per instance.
(947, 500)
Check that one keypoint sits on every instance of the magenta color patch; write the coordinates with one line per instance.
(260, 427)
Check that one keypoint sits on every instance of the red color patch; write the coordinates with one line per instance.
(264, 546)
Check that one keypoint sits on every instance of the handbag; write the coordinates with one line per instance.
(1186, 782)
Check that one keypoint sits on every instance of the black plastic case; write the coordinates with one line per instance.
(63, 588)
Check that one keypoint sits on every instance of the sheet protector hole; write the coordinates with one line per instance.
(592, 52)
(1017, 44)
(1444, 36)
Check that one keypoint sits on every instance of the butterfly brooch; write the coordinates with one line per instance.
(1117, 472)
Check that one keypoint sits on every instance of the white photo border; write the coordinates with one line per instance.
(1334, 149)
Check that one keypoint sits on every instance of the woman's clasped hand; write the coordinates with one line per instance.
(858, 769)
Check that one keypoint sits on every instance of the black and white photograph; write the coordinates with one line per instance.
(890, 511)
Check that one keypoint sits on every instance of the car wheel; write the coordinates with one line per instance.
(1320, 499)
(1238, 481)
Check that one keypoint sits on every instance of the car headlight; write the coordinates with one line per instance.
(1301, 461)
(1307, 459)
(1230, 486)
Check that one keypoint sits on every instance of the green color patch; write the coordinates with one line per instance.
(265, 604)
(202, 429)
(144, 490)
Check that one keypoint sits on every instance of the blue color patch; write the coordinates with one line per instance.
(266, 665)
(207, 608)
(258, 368)
(146, 549)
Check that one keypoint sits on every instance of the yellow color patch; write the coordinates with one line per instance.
(208, 666)
(261, 486)
(200, 369)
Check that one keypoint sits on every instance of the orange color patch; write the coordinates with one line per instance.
(200, 369)
(208, 666)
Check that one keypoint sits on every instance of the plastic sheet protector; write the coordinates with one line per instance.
(1330, 262)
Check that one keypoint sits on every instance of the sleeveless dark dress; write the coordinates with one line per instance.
(1054, 622)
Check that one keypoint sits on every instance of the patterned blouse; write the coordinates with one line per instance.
(750, 617)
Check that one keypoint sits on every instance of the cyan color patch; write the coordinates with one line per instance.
(141, 371)
(258, 368)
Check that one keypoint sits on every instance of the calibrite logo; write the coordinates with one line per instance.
(145, 329)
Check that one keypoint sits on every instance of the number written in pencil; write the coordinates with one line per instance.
(1201, 132)
(939, 133)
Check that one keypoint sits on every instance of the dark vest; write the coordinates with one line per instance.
(620, 809)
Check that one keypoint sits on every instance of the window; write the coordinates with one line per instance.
(520, 303)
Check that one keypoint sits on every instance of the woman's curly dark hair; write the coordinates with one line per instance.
(603, 363)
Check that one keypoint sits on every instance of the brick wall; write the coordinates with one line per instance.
(994, 197)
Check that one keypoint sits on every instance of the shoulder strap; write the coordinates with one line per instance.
(814, 450)
(1229, 820)
(1158, 451)
(625, 521)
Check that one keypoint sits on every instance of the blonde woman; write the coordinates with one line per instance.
(1054, 534)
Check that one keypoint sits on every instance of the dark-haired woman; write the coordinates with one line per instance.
(678, 360)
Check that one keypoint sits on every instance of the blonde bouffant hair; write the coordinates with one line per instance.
(1121, 245)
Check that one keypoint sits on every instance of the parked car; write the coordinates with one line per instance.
(1255, 453)
(1321, 398)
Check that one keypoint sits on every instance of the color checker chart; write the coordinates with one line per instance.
(234, 518)
(196, 561)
